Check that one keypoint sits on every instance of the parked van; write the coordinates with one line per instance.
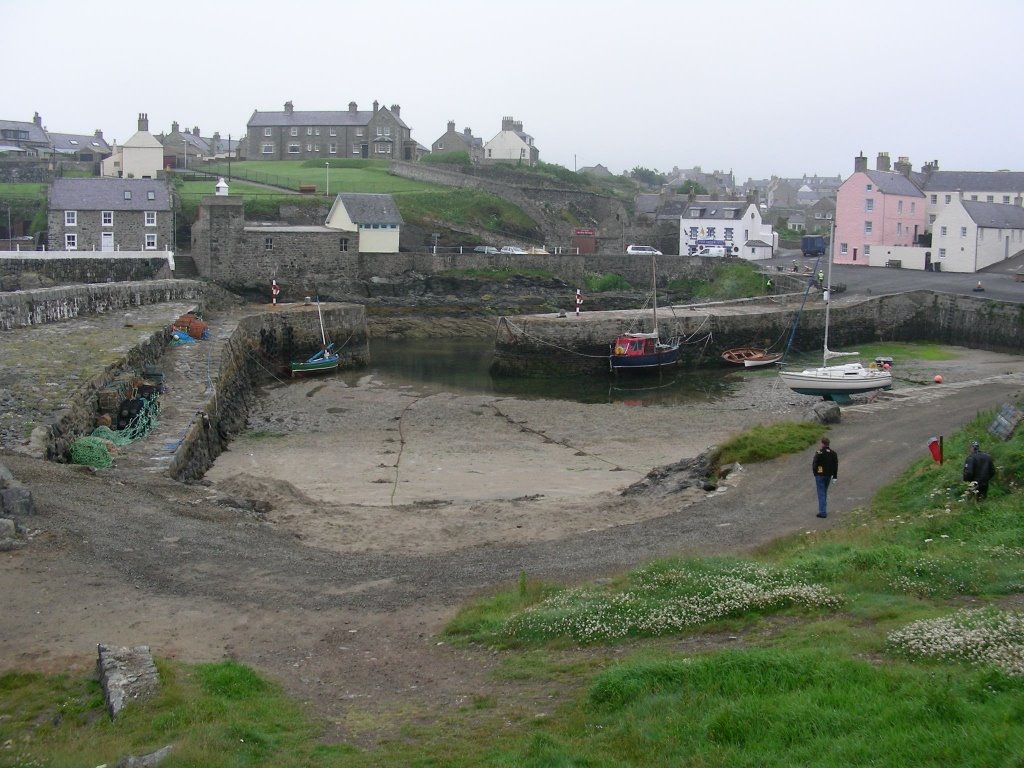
(642, 250)
(711, 250)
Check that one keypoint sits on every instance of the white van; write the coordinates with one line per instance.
(642, 250)
(711, 250)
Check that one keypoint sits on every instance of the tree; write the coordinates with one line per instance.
(647, 176)
(692, 187)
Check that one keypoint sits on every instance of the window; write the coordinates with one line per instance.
(869, 204)
(268, 243)
(899, 206)
(963, 231)
(294, 149)
(293, 132)
(380, 130)
(868, 227)
(942, 231)
(359, 131)
(1006, 199)
(316, 147)
(309, 131)
(913, 206)
(334, 131)
(383, 149)
(150, 242)
(869, 187)
(949, 199)
(70, 218)
(711, 233)
(150, 218)
(333, 148)
(268, 149)
(316, 131)
(70, 242)
(693, 233)
(990, 199)
(127, 194)
(108, 218)
(942, 252)
(268, 132)
(931, 218)
(935, 199)
(151, 195)
(842, 249)
(728, 233)
(309, 147)
(974, 198)
(343, 245)
(899, 228)
(356, 149)
(867, 249)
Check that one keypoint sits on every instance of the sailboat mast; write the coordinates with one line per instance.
(654, 291)
(827, 288)
(320, 314)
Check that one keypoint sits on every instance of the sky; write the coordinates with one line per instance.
(772, 87)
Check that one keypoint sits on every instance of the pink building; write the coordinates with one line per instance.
(877, 208)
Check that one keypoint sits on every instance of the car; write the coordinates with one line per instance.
(642, 250)
(511, 249)
(537, 250)
(485, 249)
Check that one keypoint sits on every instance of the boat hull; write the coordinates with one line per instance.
(661, 359)
(848, 379)
(763, 360)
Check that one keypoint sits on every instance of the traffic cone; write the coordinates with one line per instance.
(978, 287)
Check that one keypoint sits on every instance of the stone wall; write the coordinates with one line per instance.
(35, 270)
(50, 305)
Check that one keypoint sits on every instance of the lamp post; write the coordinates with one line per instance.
(185, 142)
(10, 234)
(327, 165)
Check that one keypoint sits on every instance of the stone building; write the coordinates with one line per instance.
(110, 215)
(454, 141)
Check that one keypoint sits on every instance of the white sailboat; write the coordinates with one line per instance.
(835, 382)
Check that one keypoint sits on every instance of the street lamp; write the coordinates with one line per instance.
(10, 233)
(185, 142)
(327, 165)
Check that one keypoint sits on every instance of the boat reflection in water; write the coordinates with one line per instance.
(462, 366)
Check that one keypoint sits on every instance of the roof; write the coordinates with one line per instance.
(68, 143)
(370, 208)
(726, 210)
(302, 119)
(989, 181)
(109, 195)
(893, 183)
(35, 133)
(995, 215)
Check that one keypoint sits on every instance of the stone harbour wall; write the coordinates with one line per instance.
(36, 270)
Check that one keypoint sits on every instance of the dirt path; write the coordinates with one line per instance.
(409, 505)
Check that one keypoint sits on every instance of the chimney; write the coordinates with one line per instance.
(376, 106)
(518, 126)
(289, 107)
(396, 110)
(143, 121)
(195, 130)
(98, 134)
(451, 126)
(882, 163)
(507, 123)
(903, 166)
(860, 163)
(216, 136)
(174, 126)
(467, 132)
(38, 120)
(352, 108)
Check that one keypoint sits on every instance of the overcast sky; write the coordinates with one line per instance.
(782, 87)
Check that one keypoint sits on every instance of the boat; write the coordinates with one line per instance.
(645, 351)
(836, 382)
(325, 359)
(751, 357)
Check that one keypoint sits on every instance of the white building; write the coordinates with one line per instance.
(141, 157)
(512, 145)
(375, 217)
(942, 187)
(735, 226)
(968, 235)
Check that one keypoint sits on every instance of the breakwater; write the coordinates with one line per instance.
(555, 344)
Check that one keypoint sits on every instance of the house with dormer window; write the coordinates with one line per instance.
(734, 226)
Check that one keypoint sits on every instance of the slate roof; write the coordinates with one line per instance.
(892, 183)
(35, 134)
(989, 181)
(70, 143)
(108, 195)
(370, 208)
(299, 119)
(995, 215)
(725, 210)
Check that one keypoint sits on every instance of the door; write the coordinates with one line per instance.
(107, 241)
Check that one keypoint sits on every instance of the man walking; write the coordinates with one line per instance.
(826, 471)
(979, 469)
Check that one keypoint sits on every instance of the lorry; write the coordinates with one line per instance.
(812, 245)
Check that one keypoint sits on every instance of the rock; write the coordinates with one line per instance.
(825, 412)
(126, 674)
(15, 499)
(7, 528)
(145, 761)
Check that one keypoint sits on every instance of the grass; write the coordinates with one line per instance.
(462, 208)
(891, 641)
(728, 281)
(499, 273)
(595, 283)
(345, 175)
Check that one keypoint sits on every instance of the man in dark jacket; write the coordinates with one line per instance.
(979, 469)
(826, 471)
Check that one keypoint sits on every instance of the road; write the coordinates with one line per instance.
(998, 281)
